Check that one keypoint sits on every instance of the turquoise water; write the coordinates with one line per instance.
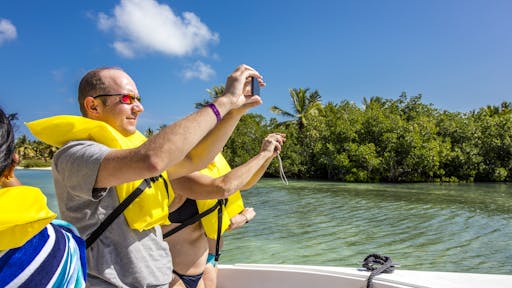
(441, 227)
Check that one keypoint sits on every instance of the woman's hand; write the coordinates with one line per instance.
(273, 143)
(243, 217)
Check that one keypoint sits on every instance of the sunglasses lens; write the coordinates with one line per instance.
(127, 99)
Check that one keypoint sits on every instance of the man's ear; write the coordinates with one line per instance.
(91, 106)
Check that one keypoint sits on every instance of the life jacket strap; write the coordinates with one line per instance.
(219, 229)
(121, 207)
(194, 219)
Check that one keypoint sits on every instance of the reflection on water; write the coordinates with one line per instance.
(442, 227)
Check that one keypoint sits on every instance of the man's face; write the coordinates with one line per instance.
(118, 113)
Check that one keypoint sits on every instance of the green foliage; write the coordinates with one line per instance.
(35, 163)
(402, 140)
(34, 153)
(382, 140)
(494, 143)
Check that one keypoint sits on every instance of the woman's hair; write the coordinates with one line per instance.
(7, 142)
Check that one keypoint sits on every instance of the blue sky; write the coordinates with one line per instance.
(456, 53)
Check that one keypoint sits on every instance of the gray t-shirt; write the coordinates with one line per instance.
(121, 257)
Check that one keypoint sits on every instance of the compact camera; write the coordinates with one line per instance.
(255, 86)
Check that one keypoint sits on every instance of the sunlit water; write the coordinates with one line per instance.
(442, 227)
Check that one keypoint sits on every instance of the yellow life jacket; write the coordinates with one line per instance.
(23, 214)
(234, 205)
(151, 207)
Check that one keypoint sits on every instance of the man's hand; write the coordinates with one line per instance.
(238, 86)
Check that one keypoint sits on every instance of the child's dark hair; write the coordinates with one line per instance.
(7, 142)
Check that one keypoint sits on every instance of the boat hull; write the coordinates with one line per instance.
(298, 276)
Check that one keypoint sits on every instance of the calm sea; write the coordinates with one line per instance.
(441, 227)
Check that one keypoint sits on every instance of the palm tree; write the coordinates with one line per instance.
(149, 132)
(375, 101)
(24, 147)
(214, 93)
(305, 104)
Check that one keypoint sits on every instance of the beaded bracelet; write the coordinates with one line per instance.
(215, 111)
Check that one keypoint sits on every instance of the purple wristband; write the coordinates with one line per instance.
(215, 111)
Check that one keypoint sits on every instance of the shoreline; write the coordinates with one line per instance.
(33, 168)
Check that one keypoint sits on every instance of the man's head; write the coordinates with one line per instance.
(6, 144)
(110, 95)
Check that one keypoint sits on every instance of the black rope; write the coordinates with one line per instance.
(377, 264)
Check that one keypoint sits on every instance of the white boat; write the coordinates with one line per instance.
(301, 276)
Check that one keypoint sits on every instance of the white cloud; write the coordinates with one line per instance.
(124, 48)
(7, 31)
(199, 70)
(142, 26)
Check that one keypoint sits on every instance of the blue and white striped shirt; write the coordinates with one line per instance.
(55, 257)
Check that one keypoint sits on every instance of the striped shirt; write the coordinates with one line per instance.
(55, 257)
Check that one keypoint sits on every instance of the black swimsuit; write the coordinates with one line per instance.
(186, 211)
(190, 281)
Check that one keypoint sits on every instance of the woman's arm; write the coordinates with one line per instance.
(199, 186)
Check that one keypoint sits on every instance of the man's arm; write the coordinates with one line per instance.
(238, 86)
(176, 142)
(211, 145)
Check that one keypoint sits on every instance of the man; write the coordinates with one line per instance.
(93, 175)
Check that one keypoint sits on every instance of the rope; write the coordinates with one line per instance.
(377, 264)
(281, 170)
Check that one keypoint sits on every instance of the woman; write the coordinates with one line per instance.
(33, 248)
(189, 247)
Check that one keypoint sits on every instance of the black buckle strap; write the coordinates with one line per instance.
(121, 207)
(219, 230)
(193, 220)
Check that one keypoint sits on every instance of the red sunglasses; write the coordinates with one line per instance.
(125, 98)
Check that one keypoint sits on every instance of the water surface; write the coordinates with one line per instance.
(447, 227)
(441, 227)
